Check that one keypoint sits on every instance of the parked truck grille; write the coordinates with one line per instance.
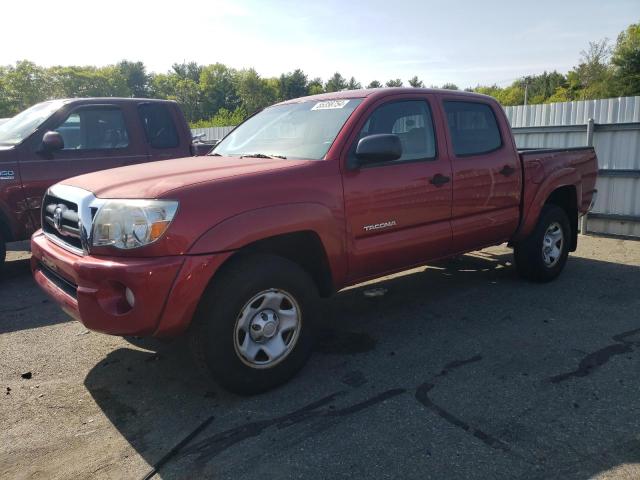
(60, 220)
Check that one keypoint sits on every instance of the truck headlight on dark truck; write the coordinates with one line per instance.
(127, 224)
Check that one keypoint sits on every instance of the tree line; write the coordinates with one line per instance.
(217, 95)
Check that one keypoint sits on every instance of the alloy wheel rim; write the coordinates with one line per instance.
(552, 244)
(267, 329)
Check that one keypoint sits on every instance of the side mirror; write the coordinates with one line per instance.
(52, 141)
(383, 147)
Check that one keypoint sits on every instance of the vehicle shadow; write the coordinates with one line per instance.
(517, 375)
(22, 305)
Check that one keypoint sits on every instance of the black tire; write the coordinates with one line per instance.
(530, 263)
(213, 333)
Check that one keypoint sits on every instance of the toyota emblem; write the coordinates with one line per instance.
(57, 218)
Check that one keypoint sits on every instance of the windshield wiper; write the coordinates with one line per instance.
(262, 155)
(214, 154)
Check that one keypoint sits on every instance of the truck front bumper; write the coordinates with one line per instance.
(122, 295)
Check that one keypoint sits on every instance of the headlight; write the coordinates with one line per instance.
(132, 223)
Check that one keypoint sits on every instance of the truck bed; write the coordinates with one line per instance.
(572, 167)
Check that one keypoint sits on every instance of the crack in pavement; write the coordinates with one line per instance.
(594, 360)
(422, 395)
(213, 445)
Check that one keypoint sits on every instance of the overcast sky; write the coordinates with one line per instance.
(462, 41)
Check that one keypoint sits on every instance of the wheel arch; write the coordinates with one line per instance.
(308, 234)
(568, 182)
(566, 197)
(304, 248)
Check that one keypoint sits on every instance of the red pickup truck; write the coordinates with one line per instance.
(301, 200)
(58, 139)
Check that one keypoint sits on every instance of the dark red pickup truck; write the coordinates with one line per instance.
(58, 139)
(303, 199)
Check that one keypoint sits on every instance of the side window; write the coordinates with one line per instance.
(411, 121)
(159, 126)
(94, 129)
(473, 126)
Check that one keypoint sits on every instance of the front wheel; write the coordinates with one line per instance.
(254, 326)
(542, 256)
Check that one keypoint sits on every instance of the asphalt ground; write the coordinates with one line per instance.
(459, 371)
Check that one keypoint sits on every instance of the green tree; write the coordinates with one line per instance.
(254, 92)
(88, 81)
(541, 87)
(336, 83)
(316, 86)
(415, 82)
(593, 77)
(190, 70)
(218, 88)
(626, 60)
(24, 85)
(450, 86)
(354, 84)
(223, 118)
(292, 85)
(374, 84)
(135, 75)
(394, 83)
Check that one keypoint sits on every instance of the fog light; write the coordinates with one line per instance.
(131, 298)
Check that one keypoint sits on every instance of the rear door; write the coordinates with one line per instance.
(397, 215)
(162, 132)
(96, 137)
(486, 174)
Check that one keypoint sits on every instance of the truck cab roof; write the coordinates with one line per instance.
(383, 92)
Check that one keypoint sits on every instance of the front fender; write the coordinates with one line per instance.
(245, 228)
(531, 210)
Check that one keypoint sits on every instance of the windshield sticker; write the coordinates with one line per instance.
(7, 175)
(330, 105)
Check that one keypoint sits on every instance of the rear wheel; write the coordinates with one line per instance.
(542, 256)
(254, 326)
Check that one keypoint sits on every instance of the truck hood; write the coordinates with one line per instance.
(153, 179)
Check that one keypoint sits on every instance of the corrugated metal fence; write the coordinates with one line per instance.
(616, 138)
(212, 134)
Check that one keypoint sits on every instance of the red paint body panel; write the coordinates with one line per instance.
(166, 289)
(35, 171)
(226, 204)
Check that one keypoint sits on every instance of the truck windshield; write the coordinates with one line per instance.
(296, 130)
(16, 129)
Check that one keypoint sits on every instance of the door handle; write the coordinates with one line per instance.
(507, 171)
(439, 180)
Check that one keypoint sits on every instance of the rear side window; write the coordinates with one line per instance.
(159, 126)
(94, 129)
(411, 121)
(473, 126)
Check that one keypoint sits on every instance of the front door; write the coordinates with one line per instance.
(398, 212)
(95, 138)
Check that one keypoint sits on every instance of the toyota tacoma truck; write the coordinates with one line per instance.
(58, 139)
(304, 198)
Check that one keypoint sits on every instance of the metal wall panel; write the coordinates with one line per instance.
(550, 140)
(616, 140)
(609, 110)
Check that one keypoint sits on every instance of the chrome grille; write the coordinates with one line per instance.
(67, 215)
(60, 219)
